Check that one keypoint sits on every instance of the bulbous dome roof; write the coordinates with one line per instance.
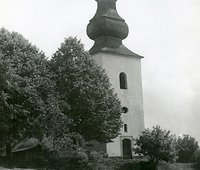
(107, 22)
(108, 29)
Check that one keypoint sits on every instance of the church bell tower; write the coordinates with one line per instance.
(123, 67)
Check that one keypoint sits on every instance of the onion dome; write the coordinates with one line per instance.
(108, 29)
(107, 22)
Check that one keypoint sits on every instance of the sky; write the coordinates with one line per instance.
(165, 32)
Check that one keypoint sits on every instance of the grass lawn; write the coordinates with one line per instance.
(177, 166)
(14, 169)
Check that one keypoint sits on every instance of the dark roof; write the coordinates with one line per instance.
(120, 50)
(108, 30)
(26, 144)
(107, 22)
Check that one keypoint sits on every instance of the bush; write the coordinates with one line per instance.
(186, 147)
(156, 144)
(78, 162)
(127, 164)
(75, 162)
(135, 166)
(3, 161)
(197, 157)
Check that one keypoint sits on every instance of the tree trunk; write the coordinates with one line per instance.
(8, 151)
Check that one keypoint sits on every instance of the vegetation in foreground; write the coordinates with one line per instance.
(61, 101)
(159, 145)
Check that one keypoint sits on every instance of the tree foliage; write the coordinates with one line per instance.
(66, 100)
(93, 107)
(27, 98)
(186, 146)
(157, 144)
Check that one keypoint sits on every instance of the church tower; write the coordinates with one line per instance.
(123, 67)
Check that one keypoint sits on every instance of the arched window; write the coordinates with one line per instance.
(123, 81)
(125, 128)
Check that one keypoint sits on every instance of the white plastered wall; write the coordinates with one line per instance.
(131, 98)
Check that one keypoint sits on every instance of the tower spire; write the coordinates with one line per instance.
(108, 29)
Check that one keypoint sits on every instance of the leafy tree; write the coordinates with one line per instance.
(62, 103)
(26, 90)
(93, 107)
(156, 144)
(186, 147)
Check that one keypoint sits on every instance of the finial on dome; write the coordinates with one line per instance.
(107, 28)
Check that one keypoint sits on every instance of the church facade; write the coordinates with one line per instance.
(123, 67)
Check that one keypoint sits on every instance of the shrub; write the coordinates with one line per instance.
(156, 144)
(186, 147)
(77, 161)
(197, 157)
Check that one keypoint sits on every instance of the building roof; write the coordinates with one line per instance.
(120, 50)
(107, 22)
(26, 144)
(108, 30)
